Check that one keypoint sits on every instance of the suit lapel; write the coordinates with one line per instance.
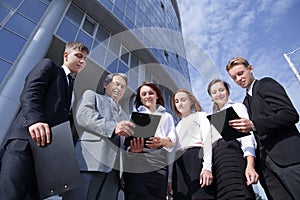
(65, 84)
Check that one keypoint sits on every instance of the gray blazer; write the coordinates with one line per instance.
(97, 148)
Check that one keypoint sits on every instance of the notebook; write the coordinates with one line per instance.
(220, 120)
(55, 164)
(145, 126)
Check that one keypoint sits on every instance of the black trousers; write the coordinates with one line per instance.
(279, 183)
(17, 177)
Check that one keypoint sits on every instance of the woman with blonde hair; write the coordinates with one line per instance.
(192, 173)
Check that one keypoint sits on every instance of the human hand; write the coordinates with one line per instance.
(154, 142)
(251, 175)
(124, 128)
(242, 125)
(40, 133)
(206, 178)
(170, 190)
(136, 145)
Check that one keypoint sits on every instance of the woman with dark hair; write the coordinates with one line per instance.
(146, 165)
(233, 161)
(192, 173)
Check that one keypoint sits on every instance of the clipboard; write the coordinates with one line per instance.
(145, 126)
(55, 164)
(220, 121)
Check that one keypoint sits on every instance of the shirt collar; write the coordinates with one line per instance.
(250, 89)
(66, 70)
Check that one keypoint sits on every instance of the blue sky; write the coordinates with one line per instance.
(259, 30)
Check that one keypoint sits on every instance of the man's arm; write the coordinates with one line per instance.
(32, 98)
(283, 114)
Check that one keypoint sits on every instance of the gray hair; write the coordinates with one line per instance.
(110, 77)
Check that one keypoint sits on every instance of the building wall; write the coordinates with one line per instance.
(141, 38)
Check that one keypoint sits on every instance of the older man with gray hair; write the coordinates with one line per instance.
(103, 124)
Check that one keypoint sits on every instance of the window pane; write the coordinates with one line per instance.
(109, 59)
(134, 62)
(89, 26)
(67, 35)
(75, 15)
(122, 67)
(114, 46)
(20, 25)
(113, 66)
(118, 13)
(29, 5)
(98, 54)
(5, 66)
(107, 3)
(8, 39)
(12, 3)
(124, 55)
(102, 34)
(85, 39)
(3, 13)
(133, 79)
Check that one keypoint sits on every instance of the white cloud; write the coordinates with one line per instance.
(226, 29)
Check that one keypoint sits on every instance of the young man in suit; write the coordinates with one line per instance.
(273, 119)
(44, 104)
(102, 127)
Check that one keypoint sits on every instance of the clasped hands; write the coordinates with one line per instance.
(137, 144)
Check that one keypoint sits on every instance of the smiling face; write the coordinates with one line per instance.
(75, 60)
(148, 97)
(241, 75)
(219, 94)
(116, 88)
(183, 103)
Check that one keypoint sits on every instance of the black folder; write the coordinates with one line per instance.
(55, 163)
(220, 120)
(145, 126)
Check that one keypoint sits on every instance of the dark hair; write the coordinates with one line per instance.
(237, 61)
(227, 87)
(196, 105)
(138, 102)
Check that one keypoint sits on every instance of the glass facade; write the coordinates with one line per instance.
(17, 22)
(95, 23)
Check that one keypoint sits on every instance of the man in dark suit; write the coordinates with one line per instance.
(273, 119)
(46, 101)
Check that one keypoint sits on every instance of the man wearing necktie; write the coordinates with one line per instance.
(102, 127)
(272, 118)
(43, 104)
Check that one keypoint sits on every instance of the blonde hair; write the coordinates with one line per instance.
(76, 45)
(195, 106)
(237, 61)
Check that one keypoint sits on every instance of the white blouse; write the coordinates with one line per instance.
(248, 143)
(194, 131)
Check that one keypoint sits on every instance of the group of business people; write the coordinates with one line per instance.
(205, 165)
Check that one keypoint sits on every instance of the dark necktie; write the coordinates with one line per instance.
(70, 88)
(248, 99)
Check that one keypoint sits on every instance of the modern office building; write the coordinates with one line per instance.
(141, 38)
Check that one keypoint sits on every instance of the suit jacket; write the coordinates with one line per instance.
(275, 117)
(43, 99)
(98, 148)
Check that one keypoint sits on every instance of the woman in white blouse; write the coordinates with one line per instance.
(192, 173)
(234, 160)
(146, 164)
